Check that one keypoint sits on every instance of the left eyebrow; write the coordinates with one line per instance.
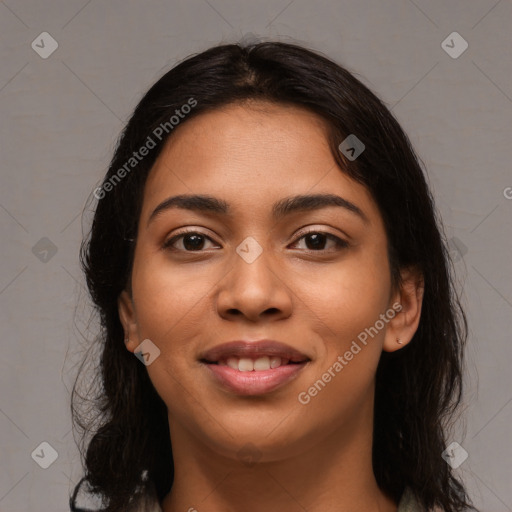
(280, 209)
(311, 202)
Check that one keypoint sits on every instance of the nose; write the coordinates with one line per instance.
(254, 291)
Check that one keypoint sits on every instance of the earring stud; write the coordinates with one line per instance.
(399, 341)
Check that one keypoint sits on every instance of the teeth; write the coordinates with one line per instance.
(246, 364)
(233, 363)
(262, 363)
(275, 362)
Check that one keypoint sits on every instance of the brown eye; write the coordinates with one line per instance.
(190, 241)
(316, 240)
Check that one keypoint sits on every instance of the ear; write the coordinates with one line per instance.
(409, 296)
(127, 317)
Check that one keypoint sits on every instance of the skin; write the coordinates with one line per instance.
(314, 457)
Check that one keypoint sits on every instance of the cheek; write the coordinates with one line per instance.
(168, 296)
(349, 297)
(170, 309)
(349, 304)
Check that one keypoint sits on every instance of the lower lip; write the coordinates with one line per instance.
(255, 382)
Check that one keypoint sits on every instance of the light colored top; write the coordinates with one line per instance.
(149, 503)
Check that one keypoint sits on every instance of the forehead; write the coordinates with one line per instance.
(256, 134)
(250, 154)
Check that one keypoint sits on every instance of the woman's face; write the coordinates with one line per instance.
(253, 273)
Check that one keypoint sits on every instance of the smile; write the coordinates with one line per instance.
(248, 377)
(253, 367)
(246, 364)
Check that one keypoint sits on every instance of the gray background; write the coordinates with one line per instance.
(60, 120)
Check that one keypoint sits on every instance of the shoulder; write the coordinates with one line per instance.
(408, 502)
(145, 501)
(148, 503)
(144, 504)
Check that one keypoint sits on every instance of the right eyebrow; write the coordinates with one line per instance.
(193, 202)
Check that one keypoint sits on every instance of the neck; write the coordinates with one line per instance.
(333, 475)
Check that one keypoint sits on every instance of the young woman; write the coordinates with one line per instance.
(279, 325)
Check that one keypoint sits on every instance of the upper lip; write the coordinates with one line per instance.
(252, 349)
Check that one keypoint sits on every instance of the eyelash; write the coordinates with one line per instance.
(340, 243)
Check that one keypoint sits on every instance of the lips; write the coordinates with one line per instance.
(253, 350)
(253, 367)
